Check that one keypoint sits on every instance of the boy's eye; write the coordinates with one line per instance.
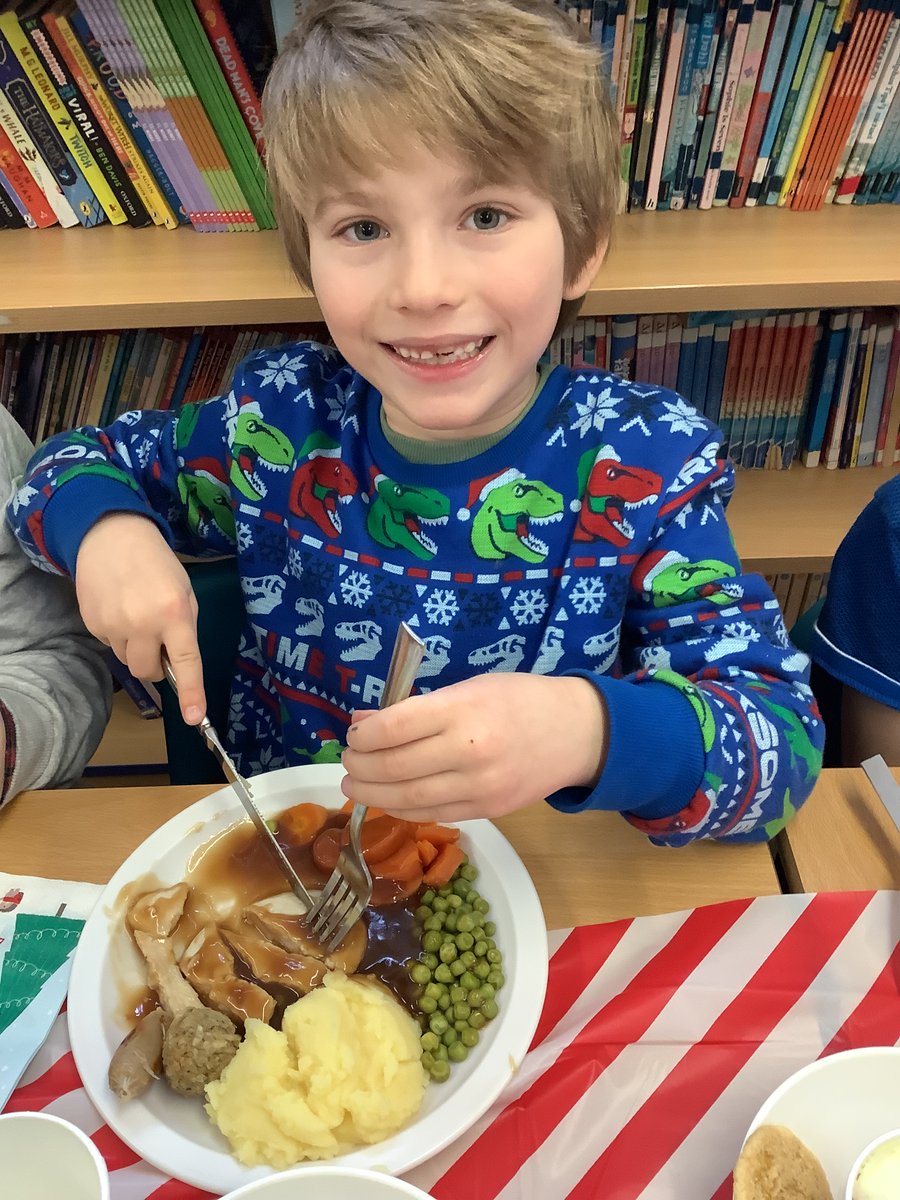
(363, 231)
(488, 218)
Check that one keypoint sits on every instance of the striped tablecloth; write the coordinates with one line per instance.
(660, 1037)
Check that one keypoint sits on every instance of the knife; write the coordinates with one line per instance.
(242, 790)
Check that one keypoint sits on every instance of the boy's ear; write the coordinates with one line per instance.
(588, 273)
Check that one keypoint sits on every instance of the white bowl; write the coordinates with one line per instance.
(43, 1155)
(838, 1105)
(328, 1183)
(892, 1135)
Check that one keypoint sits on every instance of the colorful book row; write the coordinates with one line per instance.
(56, 381)
(780, 385)
(751, 102)
(133, 112)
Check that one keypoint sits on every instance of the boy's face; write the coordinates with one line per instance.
(442, 293)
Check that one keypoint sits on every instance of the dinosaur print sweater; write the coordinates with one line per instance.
(591, 539)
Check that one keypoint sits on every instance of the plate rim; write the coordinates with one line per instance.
(85, 991)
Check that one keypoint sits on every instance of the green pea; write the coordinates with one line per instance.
(488, 990)
(491, 944)
(458, 1052)
(459, 1026)
(482, 968)
(477, 1020)
(445, 891)
(490, 929)
(432, 924)
(441, 1052)
(442, 973)
(469, 872)
(457, 969)
(494, 957)
(438, 1024)
(419, 973)
(423, 912)
(443, 1002)
(427, 1061)
(440, 1071)
(468, 981)
(428, 1004)
(464, 941)
(462, 887)
(429, 1041)
(482, 905)
(450, 922)
(461, 1011)
(449, 1036)
(474, 999)
(428, 897)
(457, 994)
(469, 1037)
(468, 959)
(432, 941)
(447, 952)
(439, 904)
(490, 1008)
(481, 949)
(465, 924)
(430, 961)
(454, 900)
(497, 978)
(434, 991)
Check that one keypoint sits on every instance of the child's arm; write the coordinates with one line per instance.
(54, 685)
(110, 507)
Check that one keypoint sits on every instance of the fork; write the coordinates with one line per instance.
(349, 889)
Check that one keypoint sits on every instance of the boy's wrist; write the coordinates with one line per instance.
(584, 705)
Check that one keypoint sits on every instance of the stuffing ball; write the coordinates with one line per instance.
(198, 1046)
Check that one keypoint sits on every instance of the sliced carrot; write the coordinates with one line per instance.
(427, 853)
(371, 813)
(402, 865)
(300, 824)
(383, 837)
(326, 849)
(438, 835)
(441, 870)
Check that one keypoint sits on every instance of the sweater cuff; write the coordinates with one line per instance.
(79, 505)
(655, 760)
(10, 748)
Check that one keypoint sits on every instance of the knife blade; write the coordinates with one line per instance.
(242, 790)
(886, 787)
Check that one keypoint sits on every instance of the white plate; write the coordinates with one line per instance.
(174, 1133)
(837, 1105)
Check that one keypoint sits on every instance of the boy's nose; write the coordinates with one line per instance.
(425, 277)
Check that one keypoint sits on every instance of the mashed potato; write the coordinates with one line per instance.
(345, 1069)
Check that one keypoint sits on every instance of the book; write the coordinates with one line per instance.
(796, 40)
(12, 211)
(773, 55)
(746, 371)
(705, 325)
(123, 142)
(876, 396)
(773, 391)
(121, 188)
(726, 103)
(632, 93)
(757, 390)
(681, 104)
(834, 428)
(777, 434)
(890, 389)
(645, 132)
(718, 361)
(98, 194)
(855, 433)
(844, 435)
(43, 150)
(674, 331)
(222, 40)
(684, 379)
(26, 188)
(745, 88)
(711, 100)
(882, 156)
(666, 100)
(623, 345)
(730, 381)
(802, 383)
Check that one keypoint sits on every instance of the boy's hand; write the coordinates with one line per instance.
(480, 748)
(135, 596)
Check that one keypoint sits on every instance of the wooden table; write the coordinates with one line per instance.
(589, 868)
(842, 839)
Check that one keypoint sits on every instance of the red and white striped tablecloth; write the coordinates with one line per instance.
(660, 1037)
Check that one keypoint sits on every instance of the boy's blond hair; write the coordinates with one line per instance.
(511, 85)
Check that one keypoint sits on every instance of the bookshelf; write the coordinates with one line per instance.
(660, 262)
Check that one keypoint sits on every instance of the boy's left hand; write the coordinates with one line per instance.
(479, 748)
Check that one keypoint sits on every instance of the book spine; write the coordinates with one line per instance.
(666, 101)
(711, 104)
(647, 125)
(889, 394)
(623, 344)
(43, 150)
(102, 200)
(109, 120)
(730, 382)
(680, 106)
(686, 362)
(92, 135)
(726, 106)
(109, 88)
(699, 91)
(674, 332)
(743, 99)
(876, 396)
(864, 392)
(636, 76)
(838, 412)
(235, 72)
(771, 391)
(23, 182)
(702, 359)
(13, 213)
(717, 365)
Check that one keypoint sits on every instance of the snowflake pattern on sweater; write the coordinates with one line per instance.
(591, 539)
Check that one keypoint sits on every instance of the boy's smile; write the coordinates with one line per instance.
(442, 291)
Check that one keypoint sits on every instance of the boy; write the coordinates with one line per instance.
(446, 179)
(54, 685)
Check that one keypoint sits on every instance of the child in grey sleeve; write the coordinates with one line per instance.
(54, 685)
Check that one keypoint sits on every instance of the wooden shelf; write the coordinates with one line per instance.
(660, 262)
(794, 520)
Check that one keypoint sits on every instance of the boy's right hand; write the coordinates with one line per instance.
(135, 596)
